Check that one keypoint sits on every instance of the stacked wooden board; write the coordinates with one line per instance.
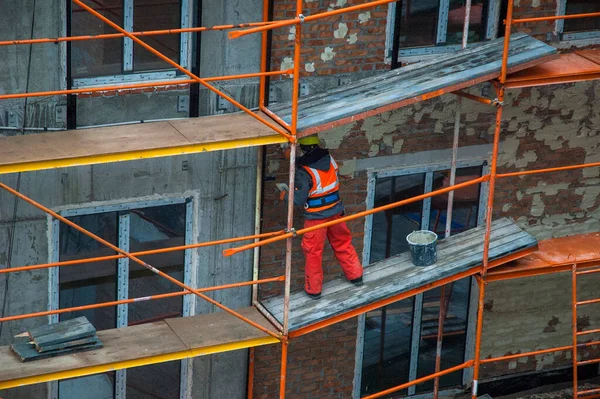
(69, 336)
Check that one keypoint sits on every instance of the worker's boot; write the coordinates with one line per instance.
(357, 281)
(313, 296)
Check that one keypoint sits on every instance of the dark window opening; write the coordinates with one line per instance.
(84, 284)
(94, 58)
(435, 22)
(389, 343)
(582, 24)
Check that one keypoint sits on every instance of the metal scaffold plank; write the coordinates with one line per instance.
(162, 341)
(132, 141)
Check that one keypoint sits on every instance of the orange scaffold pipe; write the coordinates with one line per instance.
(548, 170)
(182, 69)
(233, 251)
(140, 85)
(420, 380)
(301, 19)
(140, 33)
(135, 259)
(140, 299)
(556, 17)
(142, 253)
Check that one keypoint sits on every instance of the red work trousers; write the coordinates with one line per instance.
(341, 241)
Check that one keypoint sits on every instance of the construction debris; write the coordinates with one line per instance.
(62, 338)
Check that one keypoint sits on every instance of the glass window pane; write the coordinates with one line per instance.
(153, 228)
(466, 202)
(86, 284)
(155, 381)
(456, 303)
(391, 227)
(386, 353)
(456, 20)
(155, 15)
(582, 7)
(418, 24)
(96, 57)
(89, 283)
(97, 386)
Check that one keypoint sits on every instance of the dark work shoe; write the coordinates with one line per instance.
(357, 281)
(314, 296)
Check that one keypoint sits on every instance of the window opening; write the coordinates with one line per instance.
(400, 339)
(133, 230)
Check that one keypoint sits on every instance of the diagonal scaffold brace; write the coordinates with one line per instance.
(136, 260)
(169, 61)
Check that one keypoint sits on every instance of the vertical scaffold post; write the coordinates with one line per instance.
(574, 327)
(290, 218)
(490, 204)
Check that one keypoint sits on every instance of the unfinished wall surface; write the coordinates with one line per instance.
(542, 127)
(534, 313)
(225, 199)
(25, 68)
(319, 365)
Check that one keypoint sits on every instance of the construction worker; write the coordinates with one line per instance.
(317, 187)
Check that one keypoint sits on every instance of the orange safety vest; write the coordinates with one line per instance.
(324, 184)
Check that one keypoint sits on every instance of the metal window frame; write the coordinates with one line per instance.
(128, 76)
(559, 27)
(53, 300)
(442, 25)
(441, 31)
(428, 170)
(127, 42)
(122, 293)
(124, 220)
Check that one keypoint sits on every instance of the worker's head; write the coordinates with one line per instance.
(309, 143)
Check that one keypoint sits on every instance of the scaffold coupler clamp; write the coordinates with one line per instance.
(301, 18)
(497, 103)
(293, 231)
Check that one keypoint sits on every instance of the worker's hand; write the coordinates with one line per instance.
(282, 195)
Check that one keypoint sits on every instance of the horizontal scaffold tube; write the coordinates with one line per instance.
(142, 253)
(556, 17)
(420, 380)
(140, 33)
(169, 61)
(140, 299)
(308, 18)
(140, 85)
(134, 259)
(233, 251)
(548, 170)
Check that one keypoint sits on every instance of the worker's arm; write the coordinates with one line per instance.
(303, 183)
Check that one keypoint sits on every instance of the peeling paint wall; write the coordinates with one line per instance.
(547, 127)
(514, 325)
(542, 128)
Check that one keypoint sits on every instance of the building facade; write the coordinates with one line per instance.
(385, 158)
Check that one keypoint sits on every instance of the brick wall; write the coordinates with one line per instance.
(533, 313)
(320, 365)
(542, 127)
(351, 42)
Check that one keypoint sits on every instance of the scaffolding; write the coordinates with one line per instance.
(289, 132)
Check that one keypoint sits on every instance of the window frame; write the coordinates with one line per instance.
(441, 31)
(428, 170)
(127, 75)
(123, 274)
(568, 36)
